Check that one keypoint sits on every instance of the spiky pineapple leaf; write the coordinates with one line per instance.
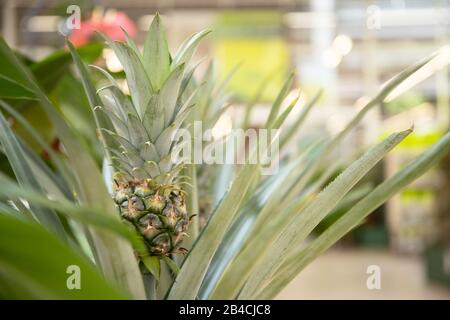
(131, 43)
(322, 153)
(196, 263)
(138, 133)
(294, 127)
(308, 218)
(170, 91)
(106, 74)
(279, 99)
(250, 223)
(212, 234)
(320, 157)
(188, 47)
(141, 88)
(153, 119)
(85, 79)
(241, 227)
(116, 102)
(276, 124)
(164, 142)
(156, 57)
(355, 215)
(192, 204)
(28, 272)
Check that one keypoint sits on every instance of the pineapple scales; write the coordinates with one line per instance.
(147, 186)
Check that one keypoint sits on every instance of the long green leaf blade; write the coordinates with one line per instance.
(307, 219)
(353, 217)
(281, 96)
(34, 264)
(25, 176)
(193, 270)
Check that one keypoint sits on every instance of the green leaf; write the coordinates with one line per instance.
(382, 94)
(152, 263)
(49, 71)
(51, 74)
(153, 119)
(34, 264)
(131, 42)
(172, 265)
(321, 157)
(192, 202)
(8, 210)
(228, 282)
(156, 57)
(48, 180)
(188, 47)
(276, 124)
(169, 93)
(355, 215)
(101, 120)
(357, 193)
(76, 109)
(8, 70)
(25, 176)
(240, 229)
(300, 120)
(87, 215)
(85, 79)
(308, 218)
(10, 89)
(296, 183)
(280, 98)
(138, 82)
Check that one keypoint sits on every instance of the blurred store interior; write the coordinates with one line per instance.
(348, 48)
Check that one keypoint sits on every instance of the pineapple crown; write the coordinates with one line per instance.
(139, 131)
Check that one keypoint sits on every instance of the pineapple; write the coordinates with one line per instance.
(158, 212)
(147, 186)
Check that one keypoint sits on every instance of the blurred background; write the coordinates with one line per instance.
(349, 49)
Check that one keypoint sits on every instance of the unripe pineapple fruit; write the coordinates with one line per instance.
(158, 213)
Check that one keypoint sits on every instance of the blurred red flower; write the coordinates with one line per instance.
(110, 23)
